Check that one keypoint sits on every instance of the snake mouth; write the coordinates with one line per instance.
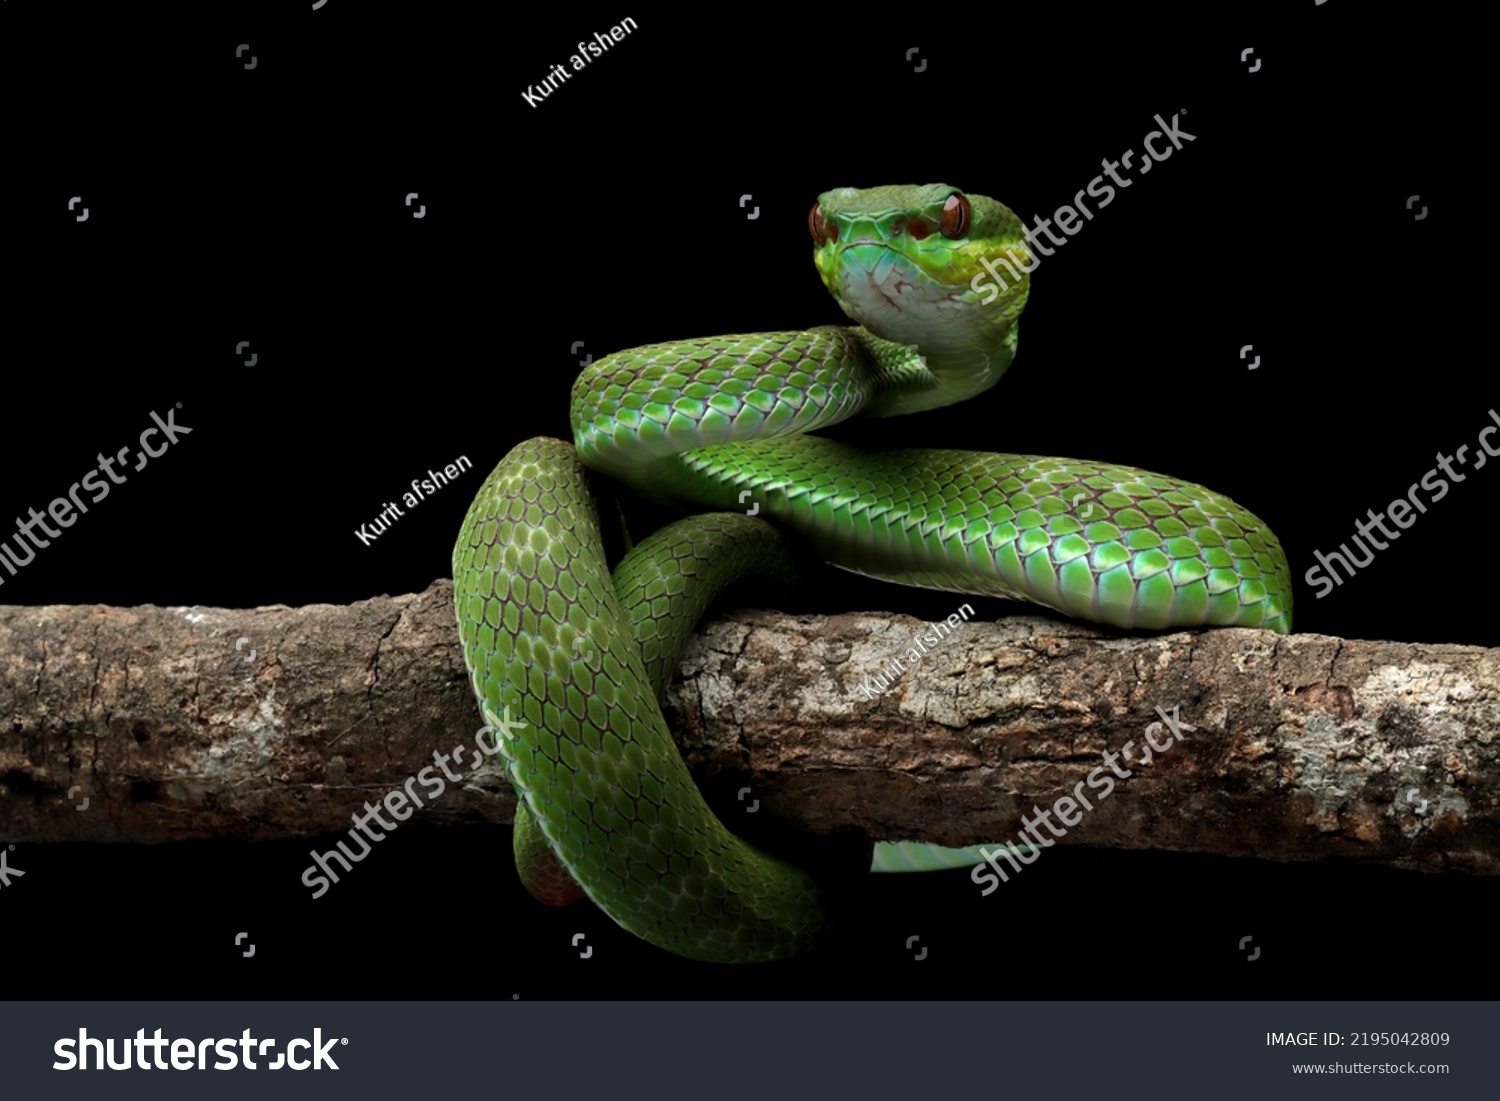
(876, 280)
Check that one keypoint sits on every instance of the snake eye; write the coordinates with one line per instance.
(822, 231)
(956, 216)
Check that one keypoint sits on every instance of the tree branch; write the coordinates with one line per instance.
(1291, 747)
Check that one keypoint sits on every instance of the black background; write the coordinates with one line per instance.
(266, 206)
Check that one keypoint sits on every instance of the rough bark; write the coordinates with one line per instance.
(1304, 747)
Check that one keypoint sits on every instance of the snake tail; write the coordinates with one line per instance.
(544, 630)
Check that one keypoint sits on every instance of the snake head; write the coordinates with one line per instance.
(922, 264)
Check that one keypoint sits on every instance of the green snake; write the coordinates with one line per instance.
(606, 806)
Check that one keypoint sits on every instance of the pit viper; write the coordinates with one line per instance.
(568, 662)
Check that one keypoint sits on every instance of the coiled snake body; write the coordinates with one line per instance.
(604, 800)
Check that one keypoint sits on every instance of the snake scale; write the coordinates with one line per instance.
(606, 806)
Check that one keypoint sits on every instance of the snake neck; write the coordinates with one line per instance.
(637, 413)
(933, 369)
